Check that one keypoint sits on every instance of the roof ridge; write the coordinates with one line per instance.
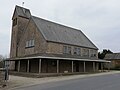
(58, 23)
(22, 7)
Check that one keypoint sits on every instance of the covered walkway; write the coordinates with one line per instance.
(41, 64)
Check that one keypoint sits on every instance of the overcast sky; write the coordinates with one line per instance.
(98, 19)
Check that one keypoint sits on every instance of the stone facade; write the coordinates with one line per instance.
(28, 40)
(115, 64)
(50, 66)
(26, 30)
(115, 60)
(57, 48)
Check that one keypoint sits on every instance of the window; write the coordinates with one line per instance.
(66, 50)
(69, 50)
(93, 53)
(30, 43)
(77, 51)
(15, 22)
(85, 52)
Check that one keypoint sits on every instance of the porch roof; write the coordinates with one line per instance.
(60, 58)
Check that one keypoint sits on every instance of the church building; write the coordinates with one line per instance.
(42, 46)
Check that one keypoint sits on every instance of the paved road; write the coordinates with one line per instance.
(103, 82)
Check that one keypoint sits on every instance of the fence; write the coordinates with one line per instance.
(3, 74)
(2, 77)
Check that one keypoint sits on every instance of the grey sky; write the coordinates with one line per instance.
(98, 19)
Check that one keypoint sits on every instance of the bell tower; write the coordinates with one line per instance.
(20, 19)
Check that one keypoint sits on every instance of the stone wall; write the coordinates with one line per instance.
(115, 64)
(17, 33)
(26, 30)
(32, 33)
(57, 48)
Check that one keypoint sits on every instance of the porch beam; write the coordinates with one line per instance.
(72, 66)
(57, 66)
(40, 65)
(97, 65)
(84, 66)
(108, 67)
(102, 67)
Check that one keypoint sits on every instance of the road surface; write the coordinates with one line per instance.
(103, 82)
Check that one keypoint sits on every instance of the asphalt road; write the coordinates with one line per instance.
(103, 82)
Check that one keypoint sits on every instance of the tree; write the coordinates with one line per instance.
(1, 59)
(102, 54)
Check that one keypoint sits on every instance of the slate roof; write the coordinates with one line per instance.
(58, 33)
(114, 56)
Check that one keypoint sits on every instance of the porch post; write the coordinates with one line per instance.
(84, 67)
(40, 65)
(19, 66)
(102, 67)
(93, 66)
(28, 66)
(97, 66)
(57, 66)
(108, 67)
(72, 67)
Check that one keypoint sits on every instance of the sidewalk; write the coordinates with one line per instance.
(17, 82)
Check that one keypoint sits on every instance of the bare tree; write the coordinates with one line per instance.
(1, 61)
(1, 58)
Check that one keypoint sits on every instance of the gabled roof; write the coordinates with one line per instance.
(22, 12)
(62, 34)
(113, 56)
(57, 33)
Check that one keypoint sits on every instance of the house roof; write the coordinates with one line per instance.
(57, 33)
(113, 56)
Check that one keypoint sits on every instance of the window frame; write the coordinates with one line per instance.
(69, 51)
(30, 43)
(75, 51)
(64, 49)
